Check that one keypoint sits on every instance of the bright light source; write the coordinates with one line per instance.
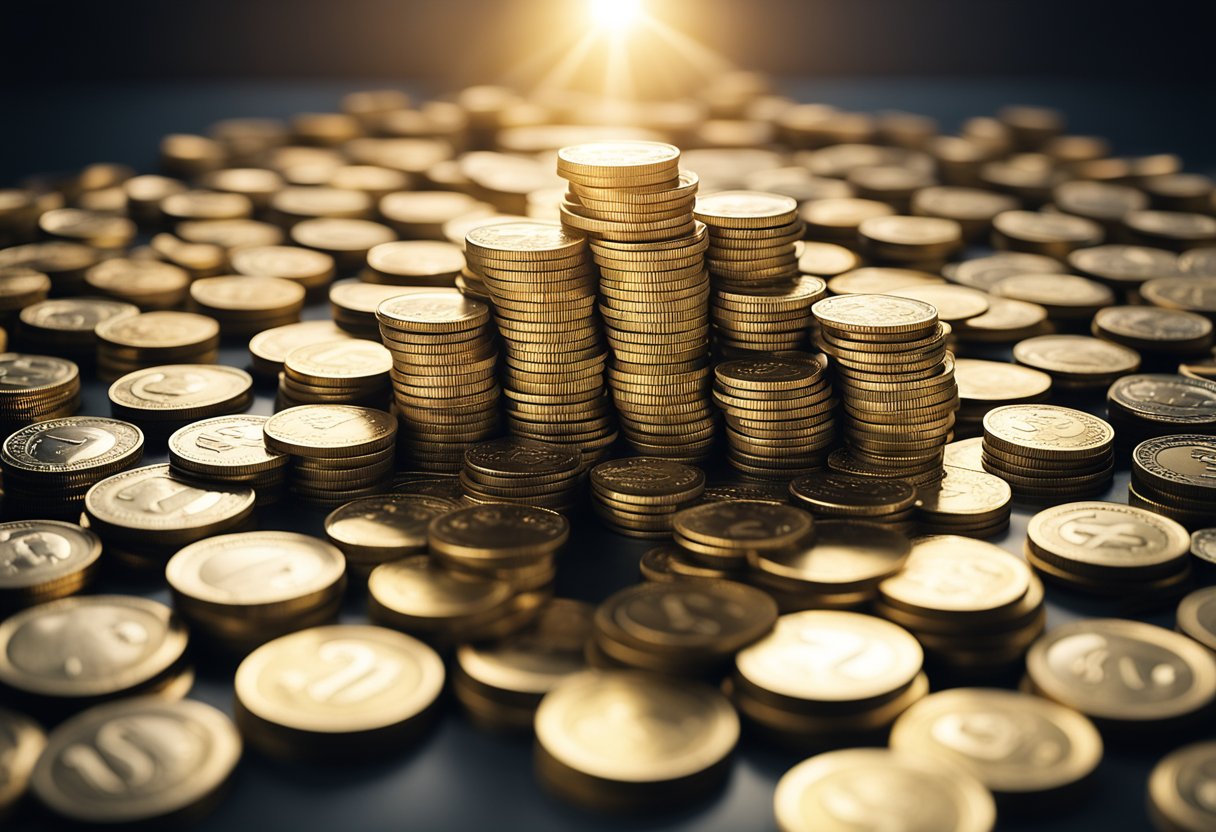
(615, 15)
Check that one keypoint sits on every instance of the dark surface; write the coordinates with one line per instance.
(459, 778)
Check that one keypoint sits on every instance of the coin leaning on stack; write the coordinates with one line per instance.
(444, 357)
(636, 496)
(634, 205)
(543, 286)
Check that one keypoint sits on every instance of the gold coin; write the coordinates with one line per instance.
(149, 500)
(159, 330)
(224, 446)
(952, 574)
(41, 560)
(1177, 789)
(329, 430)
(246, 293)
(23, 742)
(1197, 616)
(178, 390)
(745, 209)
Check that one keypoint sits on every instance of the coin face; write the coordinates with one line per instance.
(288, 262)
(1076, 355)
(1011, 742)
(687, 617)
(1193, 293)
(1168, 398)
(436, 309)
(875, 313)
(159, 329)
(34, 553)
(636, 728)
(347, 358)
(1184, 461)
(529, 240)
(1122, 670)
(957, 574)
(743, 524)
(833, 491)
(386, 521)
(499, 532)
(136, 760)
(20, 373)
(829, 656)
(151, 499)
(329, 429)
(880, 789)
(1180, 788)
(514, 457)
(1108, 535)
(1203, 545)
(1197, 616)
(647, 477)
(607, 158)
(998, 381)
(423, 592)
(1047, 430)
(537, 658)
(841, 554)
(175, 387)
(233, 443)
(89, 646)
(340, 679)
(74, 443)
(255, 568)
(766, 209)
(273, 345)
(75, 314)
(964, 492)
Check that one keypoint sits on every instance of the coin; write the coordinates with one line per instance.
(22, 741)
(1044, 748)
(1077, 361)
(1053, 235)
(1197, 616)
(147, 284)
(965, 502)
(296, 696)
(1046, 431)
(191, 749)
(952, 575)
(41, 560)
(725, 531)
(880, 787)
(1176, 786)
(167, 396)
(377, 529)
(496, 535)
(691, 732)
(328, 431)
(843, 556)
(310, 269)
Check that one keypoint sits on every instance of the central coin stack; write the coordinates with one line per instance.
(896, 384)
(636, 207)
(542, 284)
(444, 360)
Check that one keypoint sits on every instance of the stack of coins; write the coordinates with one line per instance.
(1047, 452)
(686, 628)
(896, 382)
(338, 452)
(44, 560)
(778, 414)
(414, 263)
(839, 567)
(293, 694)
(611, 766)
(765, 318)
(269, 348)
(984, 385)
(444, 357)
(829, 495)
(964, 502)
(49, 466)
(65, 326)
(144, 515)
(543, 285)
(1077, 362)
(722, 535)
(631, 201)
(353, 305)
(1020, 779)
(162, 399)
(246, 305)
(500, 685)
(783, 700)
(231, 450)
(375, 530)
(1111, 550)
(1144, 406)
(347, 371)
(636, 496)
(237, 591)
(979, 626)
(1175, 793)
(502, 542)
(524, 471)
(1175, 476)
(444, 607)
(1125, 705)
(150, 339)
(36, 387)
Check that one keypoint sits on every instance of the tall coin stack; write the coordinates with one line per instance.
(751, 257)
(778, 415)
(542, 283)
(636, 207)
(443, 374)
(896, 383)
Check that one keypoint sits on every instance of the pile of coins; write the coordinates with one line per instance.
(785, 702)
(721, 536)
(1110, 550)
(1048, 453)
(829, 495)
(229, 450)
(49, 466)
(150, 339)
(984, 385)
(896, 383)
(515, 544)
(778, 414)
(1175, 476)
(543, 286)
(767, 318)
(35, 388)
(443, 373)
(337, 453)
(967, 502)
(237, 591)
(635, 207)
(144, 515)
(164, 398)
(1148, 405)
(347, 371)
(65, 326)
(636, 496)
(524, 471)
(44, 560)
(980, 626)
(375, 530)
